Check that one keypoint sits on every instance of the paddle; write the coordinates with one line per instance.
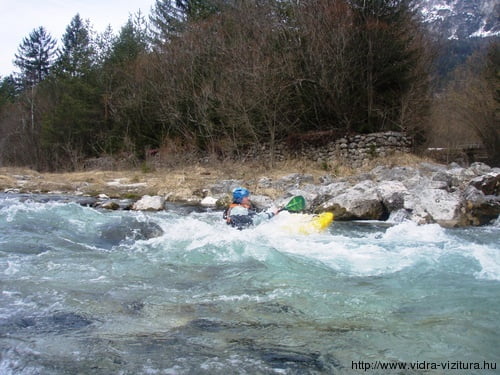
(296, 204)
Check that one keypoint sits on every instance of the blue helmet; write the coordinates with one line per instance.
(240, 193)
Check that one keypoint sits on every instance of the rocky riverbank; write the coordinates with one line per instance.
(450, 195)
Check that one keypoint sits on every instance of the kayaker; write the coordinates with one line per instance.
(240, 214)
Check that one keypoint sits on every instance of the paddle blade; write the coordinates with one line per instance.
(296, 204)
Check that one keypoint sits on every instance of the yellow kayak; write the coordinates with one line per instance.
(306, 224)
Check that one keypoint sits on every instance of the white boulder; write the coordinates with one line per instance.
(149, 203)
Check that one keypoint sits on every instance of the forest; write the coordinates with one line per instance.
(215, 77)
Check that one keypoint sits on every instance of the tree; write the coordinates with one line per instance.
(103, 46)
(8, 90)
(35, 56)
(34, 59)
(72, 102)
(472, 100)
(77, 53)
(126, 92)
(166, 20)
(387, 47)
(196, 10)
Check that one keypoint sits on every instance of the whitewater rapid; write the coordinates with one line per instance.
(180, 292)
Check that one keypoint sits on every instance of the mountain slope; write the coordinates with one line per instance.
(462, 19)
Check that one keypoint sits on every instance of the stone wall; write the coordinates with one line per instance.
(353, 149)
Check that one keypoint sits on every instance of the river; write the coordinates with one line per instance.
(86, 291)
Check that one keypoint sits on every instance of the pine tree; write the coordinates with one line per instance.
(103, 46)
(387, 55)
(35, 56)
(7, 90)
(77, 52)
(196, 10)
(131, 42)
(168, 17)
(166, 21)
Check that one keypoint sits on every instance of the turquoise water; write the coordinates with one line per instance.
(86, 291)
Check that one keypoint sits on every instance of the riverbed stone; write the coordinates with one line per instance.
(489, 184)
(208, 202)
(392, 194)
(294, 180)
(481, 209)
(149, 203)
(358, 202)
(430, 205)
(261, 201)
(225, 186)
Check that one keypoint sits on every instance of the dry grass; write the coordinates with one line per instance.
(184, 181)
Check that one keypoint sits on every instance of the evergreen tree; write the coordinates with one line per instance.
(103, 46)
(131, 42)
(196, 10)
(169, 17)
(7, 90)
(386, 54)
(166, 21)
(73, 105)
(77, 52)
(35, 56)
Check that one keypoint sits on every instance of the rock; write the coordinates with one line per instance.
(334, 189)
(358, 202)
(480, 168)
(481, 209)
(444, 178)
(208, 202)
(202, 193)
(294, 180)
(126, 230)
(392, 194)
(435, 205)
(110, 205)
(223, 201)
(265, 182)
(432, 168)
(439, 185)
(489, 184)
(85, 201)
(149, 203)
(399, 216)
(225, 186)
(394, 174)
(460, 176)
(326, 179)
(261, 201)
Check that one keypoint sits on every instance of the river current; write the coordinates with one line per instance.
(86, 291)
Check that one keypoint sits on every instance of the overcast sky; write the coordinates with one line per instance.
(19, 17)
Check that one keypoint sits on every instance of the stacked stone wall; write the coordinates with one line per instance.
(354, 149)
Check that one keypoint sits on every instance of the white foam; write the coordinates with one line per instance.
(376, 253)
(489, 259)
(411, 231)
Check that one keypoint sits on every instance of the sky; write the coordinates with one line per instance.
(18, 18)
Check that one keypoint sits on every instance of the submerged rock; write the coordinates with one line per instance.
(58, 323)
(127, 229)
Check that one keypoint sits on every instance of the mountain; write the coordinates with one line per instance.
(462, 19)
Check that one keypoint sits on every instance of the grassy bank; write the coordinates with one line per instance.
(182, 181)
